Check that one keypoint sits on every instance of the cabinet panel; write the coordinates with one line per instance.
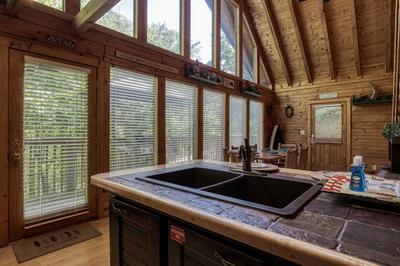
(134, 235)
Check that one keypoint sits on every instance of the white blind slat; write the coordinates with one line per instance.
(256, 122)
(180, 122)
(55, 135)
(213, 125)
(237, 120)
(132, 119)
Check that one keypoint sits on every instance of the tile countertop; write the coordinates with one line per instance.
(327, 231)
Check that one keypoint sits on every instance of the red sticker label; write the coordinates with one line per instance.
(177, 234)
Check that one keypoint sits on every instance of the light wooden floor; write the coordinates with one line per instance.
(91, 252)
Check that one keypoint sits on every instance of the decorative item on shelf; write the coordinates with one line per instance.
(374, 98)
(249, 89)
(198, 72)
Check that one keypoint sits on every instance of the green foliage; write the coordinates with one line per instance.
(391, 130)
(228, 55)
(57, 4)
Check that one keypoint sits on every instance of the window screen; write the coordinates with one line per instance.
(132, 119)
(55, 138)
(180, 122)
(237, 123)
(213, 125)
(256, 124)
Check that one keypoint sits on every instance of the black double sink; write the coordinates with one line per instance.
(272, 193)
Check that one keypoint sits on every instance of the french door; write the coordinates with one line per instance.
(52, 152)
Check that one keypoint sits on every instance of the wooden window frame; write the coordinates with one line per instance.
(255, 55)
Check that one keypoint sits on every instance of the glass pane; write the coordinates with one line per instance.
(249, 54)
(201, 34)
(132, 119)
(263, 75)
(229, 18)
(57, 4)
(256, 124)
(213, 125)
(121, 18)
(237, 121)
(328, 123)
(55, 139)
(163, 24)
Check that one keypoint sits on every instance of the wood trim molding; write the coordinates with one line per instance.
(327, 41)
(4, 58)
(200, 122)
(161, 142)
(353, 21)
(72, 6)
(141, 14)
(185, 29)
(298, 31)
(217, 35)
(389, 36)
(277, 40)
(93, 10)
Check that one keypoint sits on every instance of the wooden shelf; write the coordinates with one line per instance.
(204, 80)
(372, 102)
(256, 94)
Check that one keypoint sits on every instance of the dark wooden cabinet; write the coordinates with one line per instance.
(134, 235)
(141, 237)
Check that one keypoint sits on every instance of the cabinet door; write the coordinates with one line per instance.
(134, 235)
(189, 248)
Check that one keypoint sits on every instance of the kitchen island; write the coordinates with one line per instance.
(327, 231)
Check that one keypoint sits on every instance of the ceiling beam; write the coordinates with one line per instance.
(277, 39)
(353, 21)
(389, 37)
(257, 39)
(300, 41)
(93, 11)
(327, 41)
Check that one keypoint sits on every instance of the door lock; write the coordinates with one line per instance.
(16, 156)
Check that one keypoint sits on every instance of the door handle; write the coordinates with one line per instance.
(16, 156)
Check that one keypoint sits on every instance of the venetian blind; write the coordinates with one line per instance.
(55, 138)
(237, 120)
(256, 124)
(213, 125)
(132, 119)
(180, 122)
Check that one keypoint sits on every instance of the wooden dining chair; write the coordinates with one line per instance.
(303, 157)
(291, 159)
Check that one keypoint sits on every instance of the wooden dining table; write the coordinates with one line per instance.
(269, 158)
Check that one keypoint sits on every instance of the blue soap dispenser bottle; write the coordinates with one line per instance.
(358, 181)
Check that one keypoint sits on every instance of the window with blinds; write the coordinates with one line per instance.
(213, 125)
(180, 121)
(256, 124)
(237, 120)
(132, 119)
(55, 138)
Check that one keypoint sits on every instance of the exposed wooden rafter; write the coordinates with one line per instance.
(257, 39)
(93, 10)
(389, 37)
(300, 41)
(353, 21)
(277, 40)
(327, 41)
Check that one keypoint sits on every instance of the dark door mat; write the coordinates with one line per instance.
(33, 247)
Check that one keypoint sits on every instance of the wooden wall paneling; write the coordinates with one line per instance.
(277, 40)
(327, 41)
(200, 123)
(260, 53)
(92, 11)
(354, 30)
(4, 58)
(389, 36)
(103, 134)
(185, 28)
(161, 152)
(298, 31)
(72, 6)
(217, 35)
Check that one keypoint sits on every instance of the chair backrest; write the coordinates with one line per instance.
(233, 156)
(291, 159)
(303, 157)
